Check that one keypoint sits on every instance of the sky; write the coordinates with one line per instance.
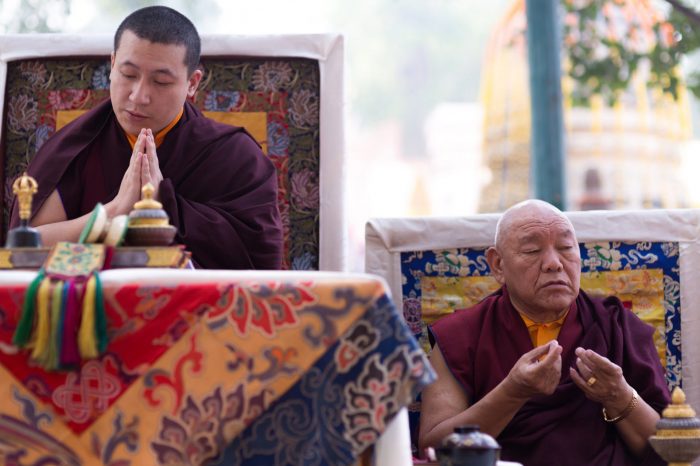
(259, 17)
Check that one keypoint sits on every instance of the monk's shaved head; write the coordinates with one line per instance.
(528, 208)
(163, 25)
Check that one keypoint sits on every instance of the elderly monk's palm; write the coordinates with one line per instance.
(537, 372)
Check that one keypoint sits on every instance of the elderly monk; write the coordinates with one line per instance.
(557, 376)
(213, 180)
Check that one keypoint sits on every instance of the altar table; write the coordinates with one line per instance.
(270, 368)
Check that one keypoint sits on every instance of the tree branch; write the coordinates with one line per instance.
(688, 12)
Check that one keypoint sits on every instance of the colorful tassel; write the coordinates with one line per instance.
(51, 361)
(100, 315)
(70, 355)
(24, 328)
(57, 325)
(43, 326)
(65, 285)
(86, 335)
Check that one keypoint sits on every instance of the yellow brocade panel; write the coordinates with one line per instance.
(442, 295)
(63, 117)
(254, 122)
(643, 288)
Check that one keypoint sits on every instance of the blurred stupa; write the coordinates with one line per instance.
(633, 147)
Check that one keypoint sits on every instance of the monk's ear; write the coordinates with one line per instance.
(112, 57)
(193, 83)
(496, 264)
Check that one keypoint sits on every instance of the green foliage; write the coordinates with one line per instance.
(603, 64)
(688, 33)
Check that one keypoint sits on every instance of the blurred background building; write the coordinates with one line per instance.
(623, 154)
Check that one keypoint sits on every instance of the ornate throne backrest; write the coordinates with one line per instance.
(649, 259)
(286, 90)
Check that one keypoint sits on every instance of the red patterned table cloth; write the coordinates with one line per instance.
(207, 367)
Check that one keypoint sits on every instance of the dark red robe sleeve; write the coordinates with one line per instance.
(222, 197)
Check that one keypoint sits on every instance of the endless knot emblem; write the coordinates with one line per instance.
(87, 395)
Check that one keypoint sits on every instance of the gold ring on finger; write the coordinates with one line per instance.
(591, 380)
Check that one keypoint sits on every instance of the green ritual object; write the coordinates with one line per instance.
(101, 229)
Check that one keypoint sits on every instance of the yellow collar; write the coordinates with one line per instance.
(543, 332)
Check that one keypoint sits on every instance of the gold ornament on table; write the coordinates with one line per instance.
(25, 187)
(148, 223)
(677, 438)
(24, 236)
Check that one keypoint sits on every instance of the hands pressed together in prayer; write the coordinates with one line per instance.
(143, 168)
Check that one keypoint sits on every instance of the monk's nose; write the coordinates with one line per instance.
(551, 261)
(139, 93)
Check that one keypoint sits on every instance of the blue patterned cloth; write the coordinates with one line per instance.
(337, 409)
(595, 257)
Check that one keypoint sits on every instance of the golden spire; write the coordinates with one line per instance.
(678, 407)
(148, 202)
(24, 188)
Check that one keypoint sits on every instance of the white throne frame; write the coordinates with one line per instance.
(328, 49)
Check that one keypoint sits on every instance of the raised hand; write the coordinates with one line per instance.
(130, 187)
(150, 170)
(537, 372)
(601, 380)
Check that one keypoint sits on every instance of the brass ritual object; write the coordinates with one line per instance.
(677, 439)
(148, 223)
(24, 236)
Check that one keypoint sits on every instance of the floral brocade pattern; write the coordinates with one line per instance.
(195, 374)
(73, 259)
(340, 406)
(287, 90)
(644, 275)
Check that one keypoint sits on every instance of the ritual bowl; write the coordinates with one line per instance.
(148, 218)
(150, 236)
(467, 446)
(677, 438)
(676, 449)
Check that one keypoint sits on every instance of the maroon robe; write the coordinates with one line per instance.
(481, 345)
(218, 188)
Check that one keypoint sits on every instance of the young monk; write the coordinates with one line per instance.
(213, 180)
